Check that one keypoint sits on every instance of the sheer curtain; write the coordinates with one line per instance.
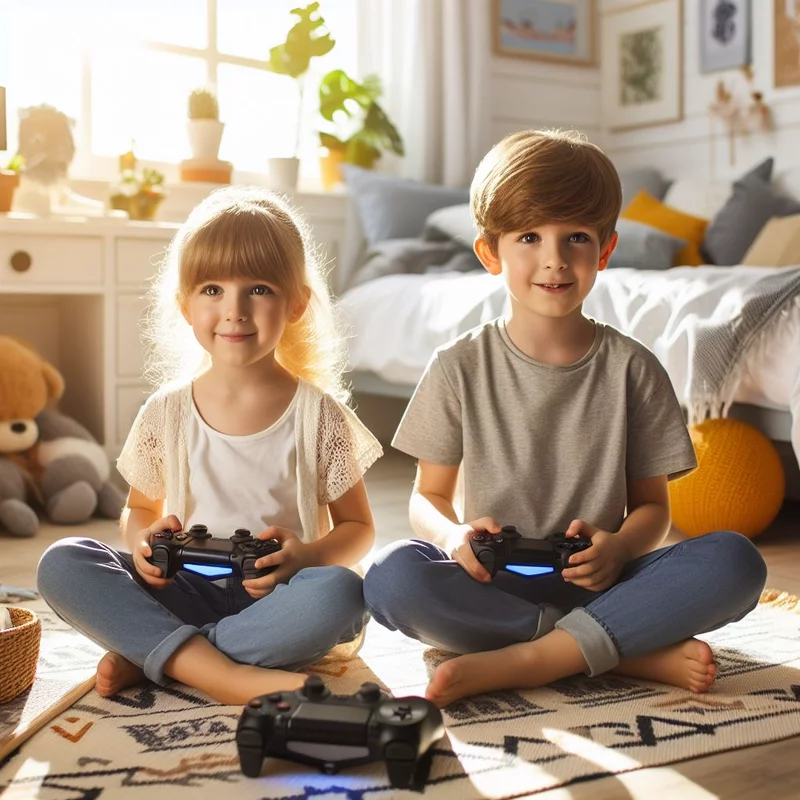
(433, 57)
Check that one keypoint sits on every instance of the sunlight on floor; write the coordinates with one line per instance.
(639, 785)
(28, 781)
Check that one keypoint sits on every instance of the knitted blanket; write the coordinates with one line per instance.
(717, 346)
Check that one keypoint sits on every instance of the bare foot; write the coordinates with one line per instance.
(246, 682)
(689, 665)
(519, 666)
(115, 673)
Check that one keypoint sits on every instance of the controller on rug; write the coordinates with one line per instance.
(510, 551)
(197, 551)
(313, 726)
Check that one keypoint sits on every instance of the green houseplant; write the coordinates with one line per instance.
(308, 38)
(363, 130)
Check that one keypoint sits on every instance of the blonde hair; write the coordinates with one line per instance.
(544, 176)
(245, 232)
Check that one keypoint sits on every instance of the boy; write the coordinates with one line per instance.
(559, 423)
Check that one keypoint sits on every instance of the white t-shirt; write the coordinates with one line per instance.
(243, 481)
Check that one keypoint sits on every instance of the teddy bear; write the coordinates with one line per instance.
(45, 456)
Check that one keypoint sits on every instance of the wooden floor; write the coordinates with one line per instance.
(769, 771)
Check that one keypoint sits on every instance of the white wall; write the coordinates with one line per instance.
(537, 94)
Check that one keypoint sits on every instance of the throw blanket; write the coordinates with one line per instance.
(717, 347)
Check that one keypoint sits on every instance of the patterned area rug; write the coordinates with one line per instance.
(173, 743)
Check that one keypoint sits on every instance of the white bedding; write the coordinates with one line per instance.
(399, 320)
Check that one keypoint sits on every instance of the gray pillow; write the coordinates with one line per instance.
(640, 246)
(752, 204)
(451, 222)
(393, 208)
(637, 178)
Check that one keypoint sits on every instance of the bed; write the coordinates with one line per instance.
(398, 320)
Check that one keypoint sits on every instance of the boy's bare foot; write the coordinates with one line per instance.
(689, 665)
(115, 673)
(519, 666)
(246, 682)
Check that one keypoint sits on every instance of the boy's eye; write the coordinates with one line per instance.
(529, 238)
(579, 238)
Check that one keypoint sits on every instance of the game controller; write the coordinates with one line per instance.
(510, 551)
(197, 551)
(313, 726)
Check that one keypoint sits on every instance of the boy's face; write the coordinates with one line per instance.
(549, 268)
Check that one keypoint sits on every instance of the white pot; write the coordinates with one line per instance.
(282, 173)
(204, 137)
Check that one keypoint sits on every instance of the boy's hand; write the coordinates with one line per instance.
(461, 550)
(289, 560)
(598, 567)
(148, 572)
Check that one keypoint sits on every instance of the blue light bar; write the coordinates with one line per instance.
(528, 571)
(208, 570)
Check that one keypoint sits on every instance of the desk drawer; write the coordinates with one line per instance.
(137, 259)
(50, 260)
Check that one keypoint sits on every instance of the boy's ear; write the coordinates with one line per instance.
(486, 256)
(606, 254)
(299, 308)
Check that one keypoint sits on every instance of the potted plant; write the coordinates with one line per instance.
(308, 38)
(9, 180)
(139, 196)
(365, 132)
(204, 127)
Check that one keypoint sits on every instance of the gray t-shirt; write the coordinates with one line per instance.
(541, 445)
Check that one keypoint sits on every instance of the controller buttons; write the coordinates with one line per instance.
(480, 537)
(256, 702)
(275, 697)
(283, 705)
(403, 712)
(499, 538)
(370, 692)
(164, 535)
(181, 537)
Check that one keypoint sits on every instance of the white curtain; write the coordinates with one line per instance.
(433, 58)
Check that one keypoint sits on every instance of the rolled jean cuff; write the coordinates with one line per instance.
(154, 663)
(595, 642)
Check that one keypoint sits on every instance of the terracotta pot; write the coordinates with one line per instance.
(9, 180)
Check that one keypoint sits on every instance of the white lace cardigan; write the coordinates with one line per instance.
(334, 450)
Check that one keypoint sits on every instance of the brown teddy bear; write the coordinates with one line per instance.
(45, 456)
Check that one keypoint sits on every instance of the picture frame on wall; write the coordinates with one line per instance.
(725, 33)
(642, 65)
(787, 43)
(563, 31)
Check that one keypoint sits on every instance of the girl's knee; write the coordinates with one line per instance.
(61, 562)
(394, 568)
(738, 559)
(341, 590)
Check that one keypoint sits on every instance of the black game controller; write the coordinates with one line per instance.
(313, 726)
(508, 550)
(197, 551)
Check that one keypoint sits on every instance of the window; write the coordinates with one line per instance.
(124, 75)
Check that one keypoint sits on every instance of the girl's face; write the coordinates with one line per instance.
(239, 321)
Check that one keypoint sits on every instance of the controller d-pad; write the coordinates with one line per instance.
(402, 712)
(164, 535)
(181, 537)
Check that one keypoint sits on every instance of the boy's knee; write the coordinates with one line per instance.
(393, 571)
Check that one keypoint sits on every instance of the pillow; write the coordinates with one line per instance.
(394, 208)
(637, 178)
(451, 222)
(698, 198)
(643, 247)
(753, 203)
(648, 210)
(778, 244)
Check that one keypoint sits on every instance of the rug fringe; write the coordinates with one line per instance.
(775, 598)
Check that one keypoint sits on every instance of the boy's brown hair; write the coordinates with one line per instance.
(544, 176)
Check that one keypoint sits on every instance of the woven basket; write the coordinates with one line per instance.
(19, 653)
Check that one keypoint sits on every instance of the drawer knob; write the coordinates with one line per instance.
(21, 261)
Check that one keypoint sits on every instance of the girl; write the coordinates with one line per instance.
(249, 430)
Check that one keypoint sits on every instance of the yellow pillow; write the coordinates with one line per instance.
(646, 209)
(778, 244)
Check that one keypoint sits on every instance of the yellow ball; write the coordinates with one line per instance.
(738, 485)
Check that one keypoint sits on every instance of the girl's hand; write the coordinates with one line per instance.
(598, 567)
(289, 560)
(461, 550)
(148, 572)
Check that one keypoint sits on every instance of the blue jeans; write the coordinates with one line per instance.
(661, 598)
(99, 593)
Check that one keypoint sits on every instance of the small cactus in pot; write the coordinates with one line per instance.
(204, 126)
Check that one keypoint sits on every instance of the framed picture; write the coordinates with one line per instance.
(724, 34)
(545, 30)
(787, 42)
(642, 65)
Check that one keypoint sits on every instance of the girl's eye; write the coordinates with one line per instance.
(529, 238)
(579, 238)
(262, 290)
(211, 290)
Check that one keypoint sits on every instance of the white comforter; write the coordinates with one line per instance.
(399, 320)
